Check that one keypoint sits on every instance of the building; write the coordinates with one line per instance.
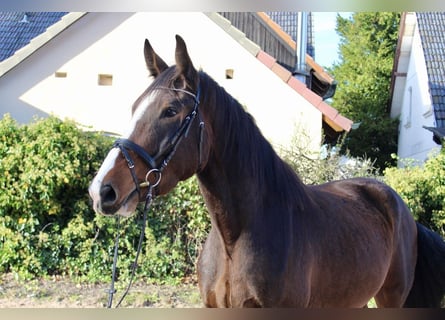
(89, 67)
(418, 84)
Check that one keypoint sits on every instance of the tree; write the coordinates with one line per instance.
(367, 47)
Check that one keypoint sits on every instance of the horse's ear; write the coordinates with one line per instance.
(184, 66)
(154, 63)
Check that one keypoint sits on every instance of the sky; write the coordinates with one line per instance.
(325, 37)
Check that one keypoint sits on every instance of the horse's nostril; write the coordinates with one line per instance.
(108, 195)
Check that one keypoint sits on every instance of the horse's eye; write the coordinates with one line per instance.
(170, 112)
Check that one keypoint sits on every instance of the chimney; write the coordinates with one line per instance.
(301, 42)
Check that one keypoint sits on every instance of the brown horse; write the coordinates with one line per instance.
(274, 241)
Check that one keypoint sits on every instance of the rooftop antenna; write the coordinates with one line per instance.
(25, 19)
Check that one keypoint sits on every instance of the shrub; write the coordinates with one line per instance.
(47, 226)
(423, 190)
(327, 165)
(177, 226)
(182, 217)
(45, 169)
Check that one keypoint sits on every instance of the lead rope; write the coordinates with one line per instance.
(112, 289)
(122, 146)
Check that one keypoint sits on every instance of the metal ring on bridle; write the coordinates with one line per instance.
(147, 183)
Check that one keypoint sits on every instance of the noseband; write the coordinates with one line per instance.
(158, 163)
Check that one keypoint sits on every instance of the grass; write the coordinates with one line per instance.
(62, 292)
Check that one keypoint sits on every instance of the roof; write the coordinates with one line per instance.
(262, 30)
(438, 134)
(42, 26)
(333, 121)
(432, 34)
(288, 21)
(266, 31)
(17, 29)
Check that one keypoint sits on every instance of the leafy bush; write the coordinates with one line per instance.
(45, 169)
(182, 217)
(328, 165)
(177, 226)
(47, 225)
(423, 190)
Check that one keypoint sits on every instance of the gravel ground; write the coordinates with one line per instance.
(63, 293)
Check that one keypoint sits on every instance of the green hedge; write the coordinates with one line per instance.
(423, 189)
(47, 226)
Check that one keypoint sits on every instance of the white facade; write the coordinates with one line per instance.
(62, 77)
(416, 111)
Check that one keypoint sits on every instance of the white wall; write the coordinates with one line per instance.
(416, 142)
(112, 43)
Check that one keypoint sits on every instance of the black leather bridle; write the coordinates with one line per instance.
(158, 163)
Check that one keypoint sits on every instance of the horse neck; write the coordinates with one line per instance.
(243, 173)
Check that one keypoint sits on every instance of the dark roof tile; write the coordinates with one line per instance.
(289, 21)
(432, 34)
(17, 29)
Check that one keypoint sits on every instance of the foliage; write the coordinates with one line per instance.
(182, 216)
(367, 46)
(44, 169)
(423, 190)
(47, 226)
(329, 165)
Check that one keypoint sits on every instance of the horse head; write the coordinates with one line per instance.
(164, 142)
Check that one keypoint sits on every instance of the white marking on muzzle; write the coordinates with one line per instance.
(110, 160)
(96, 185)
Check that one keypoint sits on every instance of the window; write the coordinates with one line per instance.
(60, 74)
(105, 80)
(229, 73)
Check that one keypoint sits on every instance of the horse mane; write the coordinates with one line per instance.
(244, 147)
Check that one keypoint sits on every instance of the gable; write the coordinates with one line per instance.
(111, 44)
(83, 56)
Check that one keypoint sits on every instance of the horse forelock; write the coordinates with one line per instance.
(142, 103)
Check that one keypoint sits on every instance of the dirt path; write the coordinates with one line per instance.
(63, 293)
